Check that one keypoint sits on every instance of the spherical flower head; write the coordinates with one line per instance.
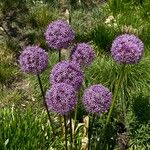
(59, 34)
(82, 54)
(97, 99)
(67, 72)
(33, 59)
(127, 49)
(61, 98)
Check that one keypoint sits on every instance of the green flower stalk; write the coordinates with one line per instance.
(126, 50)
(42, 92)
(34, 60)
(65, 123)
(116, 90)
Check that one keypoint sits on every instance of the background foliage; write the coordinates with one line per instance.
(22, 117)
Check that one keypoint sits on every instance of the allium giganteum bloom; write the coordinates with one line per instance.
(61, 98)
(83, 54)
(127, 49)
(97, 99)
(68, 72)
(59, 34)
(33, 59)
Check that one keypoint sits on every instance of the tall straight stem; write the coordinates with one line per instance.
(75, 116)
(115, 94)
(44, 101)
(90, 131)
(70, 9)
(65, 123)
(116, 90)
(71, 140)
(75, 119)
(60, 118)
(76, 109)
(59, 59)
(123, 104)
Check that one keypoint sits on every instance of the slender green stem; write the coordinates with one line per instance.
(70, 10)
(75, 116)
(90, 131)
(44, 101)
(65, 123)
(75, 120)
(116, 90)
(59, 55)
(89, 134)
(76, 110)
(60, 117)
(71, 140)
(61, 125)
(115, 95)
(123, 104)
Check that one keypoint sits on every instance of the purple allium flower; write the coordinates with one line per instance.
(33, 59)
(83, 54)
(61, 98)
(59, 34)
(127, 49)
(97, 99)
(68, 72)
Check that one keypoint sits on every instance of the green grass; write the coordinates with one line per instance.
(23, 120)
(24, 129)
